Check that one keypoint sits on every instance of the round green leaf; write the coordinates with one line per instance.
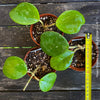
(63, 61)
(70, 21)
(53, 44)
(25, 14)
(14, 67)
(47, 82)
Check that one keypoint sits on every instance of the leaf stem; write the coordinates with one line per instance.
(33, 74)
(76, 49)
(28, 83)
(79, 47)
(36, 78)
(46, 26)
(29, 72)
(72, 47)
(41, 23)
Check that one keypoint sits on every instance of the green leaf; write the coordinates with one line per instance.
(25, 14)
(47, 82)
(70, 21)
(14, 67)
(53, 44)
(63, 61)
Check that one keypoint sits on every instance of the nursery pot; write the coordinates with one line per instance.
(33, 26)
(35, 57)
(75, 63)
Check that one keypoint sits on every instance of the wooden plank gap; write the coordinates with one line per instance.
(38, 90)
(15, 4)
(8, 5)
(93, 89)
(74, 2)
(30, 25)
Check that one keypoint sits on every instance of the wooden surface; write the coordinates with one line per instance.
(89, 9)
(45, 1)
(70, 84)
(52, 95)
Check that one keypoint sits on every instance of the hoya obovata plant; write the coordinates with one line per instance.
(69, 21)
(52, 43)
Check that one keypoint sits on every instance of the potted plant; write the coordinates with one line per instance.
(36, 57)
(25, 13)
(15, 68)
(78, 62)
(37, 29)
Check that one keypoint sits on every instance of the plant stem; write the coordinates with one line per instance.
(41, 23)
(79, 47)
(72, 47)
(29, 72)
(46, 26)
(36, 78)
(76, 49)
(27, 83)
(33, 74)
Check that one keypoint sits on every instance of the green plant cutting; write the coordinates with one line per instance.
(52, 43)
(69, 21)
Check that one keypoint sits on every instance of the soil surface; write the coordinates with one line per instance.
(79, 56)
(39, 58)
(38, 29)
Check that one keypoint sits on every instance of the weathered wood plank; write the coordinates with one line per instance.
(84, 29)
(73, 80)
(89, 9)
(15, 36)
(44, 1)
(59, 95)
(20, 36)
(21, 53)
(66, 80)
(11, 52)
(87, 28)
(67, 95)
(16, 85)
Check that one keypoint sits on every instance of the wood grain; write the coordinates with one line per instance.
(62, 95)
(44, 1)
(70, 84)
(52, 95)
(21, 53)
(66, 80)
(20, 35)
(57, 95)
(84, 29)
(89, 9)
(15, 36)
(11, 52)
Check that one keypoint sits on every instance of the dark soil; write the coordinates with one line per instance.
(39, 58)
(38, 29)
(79, 56)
